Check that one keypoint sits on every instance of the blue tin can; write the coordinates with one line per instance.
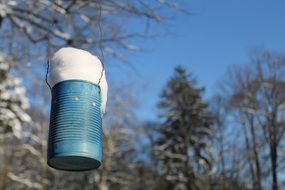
(75, 130)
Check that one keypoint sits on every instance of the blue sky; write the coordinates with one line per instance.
(218, 34)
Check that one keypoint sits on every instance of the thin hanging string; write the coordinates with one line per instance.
(100, 47)
(48, 51)
(47, 74)
(47, 65)
(100, 41)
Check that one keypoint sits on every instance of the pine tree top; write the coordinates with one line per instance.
(181, 96)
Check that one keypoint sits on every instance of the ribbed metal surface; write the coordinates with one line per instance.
(75, 132)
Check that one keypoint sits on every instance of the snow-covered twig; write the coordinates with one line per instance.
(24, 181)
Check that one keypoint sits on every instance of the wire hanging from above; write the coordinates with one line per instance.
(48, 45)
(100, 31)
(100, 40)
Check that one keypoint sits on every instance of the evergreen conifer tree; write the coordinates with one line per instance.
(182, 147)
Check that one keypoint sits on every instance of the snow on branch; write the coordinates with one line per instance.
(24, 181)
(84, 23)
(13, 101)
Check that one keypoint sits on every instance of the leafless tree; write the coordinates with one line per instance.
(219, 117)
(258, 95)
(241, 78)
(86, 24)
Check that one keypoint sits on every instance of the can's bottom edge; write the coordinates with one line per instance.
(73, 162)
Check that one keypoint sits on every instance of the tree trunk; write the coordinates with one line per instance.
(4, 165)
(223, 164)
(256, 156)
(273, 155)
(273, 149)
(109, 148)
(42, 161)
(253, 178)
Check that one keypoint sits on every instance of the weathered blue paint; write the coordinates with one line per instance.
(75, 132)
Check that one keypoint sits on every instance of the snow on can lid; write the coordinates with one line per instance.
(71, 63)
